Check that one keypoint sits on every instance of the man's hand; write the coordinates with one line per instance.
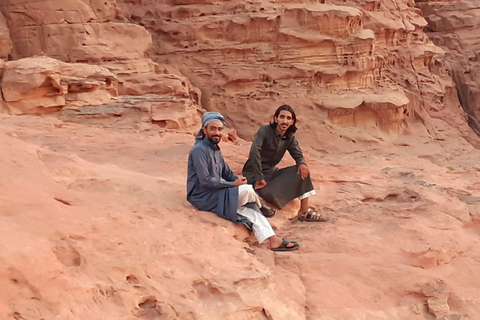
(260, 184)
(241, 180)
(303, 171)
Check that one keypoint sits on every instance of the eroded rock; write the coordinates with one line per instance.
(42, 84)
(5, 40)
(257, 56)
(452, 25)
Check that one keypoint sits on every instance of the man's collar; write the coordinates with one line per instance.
(279, 135)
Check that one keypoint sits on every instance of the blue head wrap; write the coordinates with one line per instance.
(206, 119)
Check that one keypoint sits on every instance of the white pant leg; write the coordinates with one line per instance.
(261, 227)
(307, 194)
(246, 194)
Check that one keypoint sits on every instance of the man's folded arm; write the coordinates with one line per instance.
(200, 163)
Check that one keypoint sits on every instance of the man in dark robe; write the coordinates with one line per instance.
(280, 186)
(212, 186)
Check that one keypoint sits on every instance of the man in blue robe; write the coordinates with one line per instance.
(212, 185)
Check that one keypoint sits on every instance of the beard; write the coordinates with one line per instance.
(214, 139)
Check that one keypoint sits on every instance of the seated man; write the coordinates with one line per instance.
(280, 186)
(212, 186)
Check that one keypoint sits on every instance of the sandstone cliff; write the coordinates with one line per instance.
(453, 26)
(354, 64)
(92, 204)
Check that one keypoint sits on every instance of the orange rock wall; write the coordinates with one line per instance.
(78, 32)
(103, 217)
(322, 57)
(340, 64)
(5, 41)
(453, 26)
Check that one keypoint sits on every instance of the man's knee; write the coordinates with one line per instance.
(247, 194)
(246, 190)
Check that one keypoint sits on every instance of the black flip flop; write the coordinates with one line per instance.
(267, 211)
(285, 243)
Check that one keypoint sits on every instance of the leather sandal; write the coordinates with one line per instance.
(311, 216)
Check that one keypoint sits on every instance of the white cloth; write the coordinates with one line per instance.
(261, 227)
(307, 194)
(246, 194)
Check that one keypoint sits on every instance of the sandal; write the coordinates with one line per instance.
(267, 211)
(311, 216)
(284, 246)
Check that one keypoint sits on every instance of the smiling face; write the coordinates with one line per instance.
(284, 120)
(214, 131)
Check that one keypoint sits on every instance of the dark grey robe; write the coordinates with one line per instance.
(268, 149)
(210, 182)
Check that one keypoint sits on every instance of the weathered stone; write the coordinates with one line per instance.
(88, 42)
(161, 84)
(175, 114)
(40, 84)
(452, 26)
(262, 55)
(5, 40)
(78, 32)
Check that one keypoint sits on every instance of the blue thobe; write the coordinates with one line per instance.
(210, 182)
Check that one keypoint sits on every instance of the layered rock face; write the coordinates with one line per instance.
(93, 195)
(42, 84)
(5, 41)
(75, 34)
(360, 64)
(453, 26)
(81, 32)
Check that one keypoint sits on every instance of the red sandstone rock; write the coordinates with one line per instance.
(94, 196)
(453, 26)
(104, 219)
(250, 58)
(5, 41)
(35, 85)
(79, 32)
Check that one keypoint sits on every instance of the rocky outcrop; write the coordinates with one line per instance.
(42, 84)
(249, 58)
(452, 25)
(81, 32)
(103, 217)
(5, 41)
(168, 113)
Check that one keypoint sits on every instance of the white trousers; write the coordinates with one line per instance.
(261, 227)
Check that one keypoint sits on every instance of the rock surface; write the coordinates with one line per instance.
(97, 204)
(42, 84)
(249, 58)
(93, 215)
(5, 41)
(80, 32)
(453, 26)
